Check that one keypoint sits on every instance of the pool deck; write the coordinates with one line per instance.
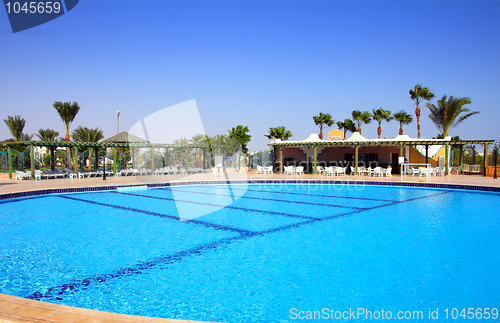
(15, 309)
(15, 186)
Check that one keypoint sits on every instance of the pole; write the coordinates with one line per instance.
(103, 163)
(9, 155)
(446, 159)
(315, 158)
(281, 160)
(32, 160)
(117, 122)
(485, 156)
(356, 148)
(495, 156)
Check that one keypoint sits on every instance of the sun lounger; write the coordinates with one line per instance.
(22, 175)
(71, 174)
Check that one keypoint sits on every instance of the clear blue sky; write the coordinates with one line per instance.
(257, 63)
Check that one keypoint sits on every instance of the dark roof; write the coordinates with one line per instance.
(125, 137)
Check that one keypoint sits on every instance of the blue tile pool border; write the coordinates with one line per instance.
(34, 193)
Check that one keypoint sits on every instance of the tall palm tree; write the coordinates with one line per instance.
(418, 94)
(85, 134)
(47, 134)
(67, 111)
(16, 126)
(346, 126)
(323, 120)
(381, 115)
(361, 118)
(279, 133)
(402, 117)
(449, 113)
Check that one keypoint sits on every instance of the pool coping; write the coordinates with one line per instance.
(97, 188)
(17, 309)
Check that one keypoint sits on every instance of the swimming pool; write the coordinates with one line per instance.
(261, 253)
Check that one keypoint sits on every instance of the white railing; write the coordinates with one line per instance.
(419, 170)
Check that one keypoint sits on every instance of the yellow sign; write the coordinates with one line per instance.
(336, 134)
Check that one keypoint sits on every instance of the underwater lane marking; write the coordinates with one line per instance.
(19, 199)
(180, 255)
(207, 224)
(408, 200)
(273, 200)
(295, 193)
(137, 269)
(222, 206)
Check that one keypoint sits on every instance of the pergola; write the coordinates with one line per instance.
(103, 145)
(377, 143)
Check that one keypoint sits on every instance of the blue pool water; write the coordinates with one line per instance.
(259, 253)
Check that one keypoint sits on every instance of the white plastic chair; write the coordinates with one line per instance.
(299, 170)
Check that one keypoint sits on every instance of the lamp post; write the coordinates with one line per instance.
(495, 157)
(117, 122)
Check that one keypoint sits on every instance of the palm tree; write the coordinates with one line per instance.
(361, 118)
(402, 117)
(323, 120)
(418, 94)
(279, 133)
(67, 111)
(381, 115)
(47, 134)
(85, 134)
(16, 126)
(449, 113)
(346, 126)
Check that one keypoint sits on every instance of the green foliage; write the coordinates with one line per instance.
(47, 135)
(403, 118)
(240, 133)
(361, 118)
(381, 115)
(323, 120)
(84, 134)
(279, 133)
(346, 126)
(16, 126)
(67, 111)
(226, 144)
(419, 93)
(449, 112)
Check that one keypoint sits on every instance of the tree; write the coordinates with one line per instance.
(67, 111)
(279, 133)
(449, 113)
(346, 126)
(16, 126)
(381, 115)
(361, 118)
(240, 133)
(323, 120)
(402, 117)
(85, 134)
(47, 134)
(225, 143)
(199, 139)
(418, 94)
